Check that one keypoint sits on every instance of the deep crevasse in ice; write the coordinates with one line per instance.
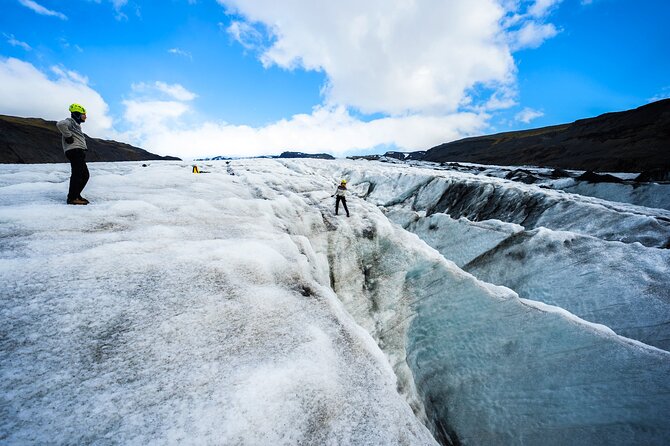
(495, 369)
(179, 309)
(199, 308)
(582, 254)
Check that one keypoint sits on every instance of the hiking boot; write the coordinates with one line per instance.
(83, 199)
(77, 201)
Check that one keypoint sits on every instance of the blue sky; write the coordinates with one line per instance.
(197, 78)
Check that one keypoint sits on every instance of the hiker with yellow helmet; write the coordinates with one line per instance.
(74, 146)
(341, 195)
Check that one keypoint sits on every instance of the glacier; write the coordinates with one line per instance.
(234, 307)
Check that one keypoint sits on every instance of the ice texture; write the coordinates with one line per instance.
(628, 190)
(179, 308)
(234, 307)
(596, 310)
(652, 195)
(495, 371)
(620, 284)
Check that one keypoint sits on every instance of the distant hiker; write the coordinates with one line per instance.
(74, 146)
(341, 195)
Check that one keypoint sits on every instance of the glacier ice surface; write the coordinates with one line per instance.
(238, 309)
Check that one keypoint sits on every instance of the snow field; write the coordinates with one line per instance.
(237, 309)
(180, 308)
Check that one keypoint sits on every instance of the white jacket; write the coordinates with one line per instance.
(69, 127)
(341, 191)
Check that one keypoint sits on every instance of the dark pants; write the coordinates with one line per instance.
(337, 204)
(80, 174)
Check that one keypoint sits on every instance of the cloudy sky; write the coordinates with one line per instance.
(196, 78)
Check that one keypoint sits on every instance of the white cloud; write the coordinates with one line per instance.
(248, 36)
(395, 56)
(69, 74)
(542, 7)
(161, 120)
(663, 94)
(14, 42)
(532, 35)
(118, 6)
(500, 101)
(67, 45)
(149, 117)
(386, 56)
(173, 91)
(39, 9)
(528, 114)
(176, 91)
(28, 92)
(433, 69)
(180, 52)
(331, 130)
(528, 29)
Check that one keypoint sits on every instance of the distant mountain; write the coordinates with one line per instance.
(629, 141)
(215, 158)
(323, 156)
(34, 140)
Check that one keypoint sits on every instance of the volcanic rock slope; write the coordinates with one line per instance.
(34, 140)
(629, 141)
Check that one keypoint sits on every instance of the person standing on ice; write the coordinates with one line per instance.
(74, 146)
(341, 195)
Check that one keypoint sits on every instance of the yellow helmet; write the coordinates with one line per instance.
(76, 108)
(343, 182)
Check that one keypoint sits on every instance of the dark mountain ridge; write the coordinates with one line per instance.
(628, 141)
(35, 140)
(323, 156)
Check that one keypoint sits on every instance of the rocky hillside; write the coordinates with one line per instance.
(34, 140)
(629, 141)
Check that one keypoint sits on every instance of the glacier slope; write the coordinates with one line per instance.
(482, 198)
(488, 367)
(598, 267)
(640, 193)
(200, 308)
(651, 195)
(178, 309)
